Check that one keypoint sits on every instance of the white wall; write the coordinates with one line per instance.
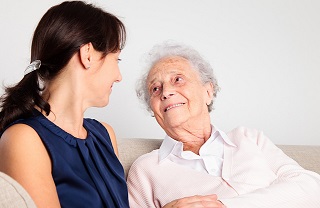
(266, 55)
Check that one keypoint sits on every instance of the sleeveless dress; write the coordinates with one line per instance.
(86, 172)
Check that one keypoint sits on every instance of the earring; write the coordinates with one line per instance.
(88, 67)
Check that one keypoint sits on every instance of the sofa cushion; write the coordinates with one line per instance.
(12, 194)
(131, 149)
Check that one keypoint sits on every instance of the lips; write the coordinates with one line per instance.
(173, 106)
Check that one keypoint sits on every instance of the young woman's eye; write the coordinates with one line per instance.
(119, 60)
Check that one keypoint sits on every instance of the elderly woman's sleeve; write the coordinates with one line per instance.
(139, 183)
(294, 187)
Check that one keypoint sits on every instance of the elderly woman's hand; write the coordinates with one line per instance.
(208, 201)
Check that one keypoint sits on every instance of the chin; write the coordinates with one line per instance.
(105, 104)
(174, 122)
(102, 104)
(105, 101)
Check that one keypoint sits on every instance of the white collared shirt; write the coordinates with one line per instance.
(210, 156)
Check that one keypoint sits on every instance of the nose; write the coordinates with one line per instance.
(119, 78)
(167, 92)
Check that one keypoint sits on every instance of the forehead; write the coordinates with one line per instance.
(171, 65)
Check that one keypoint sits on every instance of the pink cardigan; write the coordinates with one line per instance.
(255, 174)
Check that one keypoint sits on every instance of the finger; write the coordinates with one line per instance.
(209, 197)
(212, 204)
(195, 198)
(198, 201)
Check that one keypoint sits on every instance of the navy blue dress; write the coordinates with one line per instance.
(86, 172)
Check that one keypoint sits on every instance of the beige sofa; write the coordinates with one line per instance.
(12, 195)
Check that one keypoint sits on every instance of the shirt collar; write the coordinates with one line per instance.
(167, 147)
(169, 144)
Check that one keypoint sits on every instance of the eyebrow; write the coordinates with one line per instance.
(171, 72)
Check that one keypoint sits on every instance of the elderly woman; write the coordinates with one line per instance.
(198, 165)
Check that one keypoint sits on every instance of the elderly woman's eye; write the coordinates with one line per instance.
(178, 79)
(155, 91)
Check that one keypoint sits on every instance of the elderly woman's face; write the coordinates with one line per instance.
(177, 95)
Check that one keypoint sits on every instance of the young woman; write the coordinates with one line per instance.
(58, 156)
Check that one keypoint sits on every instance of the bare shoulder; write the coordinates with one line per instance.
(24, 157)
(107, 126)
(18, 137)
(110, 131)
(112, 136)
(18, 129)
(18, 143)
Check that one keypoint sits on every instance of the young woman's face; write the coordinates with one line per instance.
(104, 74)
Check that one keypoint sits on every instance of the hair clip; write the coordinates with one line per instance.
(33, 66)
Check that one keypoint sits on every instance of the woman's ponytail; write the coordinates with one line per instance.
(18, 101)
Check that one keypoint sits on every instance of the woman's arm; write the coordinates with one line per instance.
(294, 186)
(24, 158)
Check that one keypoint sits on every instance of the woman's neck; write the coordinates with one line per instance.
(66, 111)
(192, 136)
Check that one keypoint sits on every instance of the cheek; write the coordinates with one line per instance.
(152, 105)
(155, 105)
(196, 97)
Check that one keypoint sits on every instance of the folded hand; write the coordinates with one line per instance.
(208, 201)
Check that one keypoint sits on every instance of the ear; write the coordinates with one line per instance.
(209, 92)
(86, 52)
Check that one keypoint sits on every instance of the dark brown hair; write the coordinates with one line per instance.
(61, 32)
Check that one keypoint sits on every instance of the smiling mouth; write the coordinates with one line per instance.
(173, 106)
